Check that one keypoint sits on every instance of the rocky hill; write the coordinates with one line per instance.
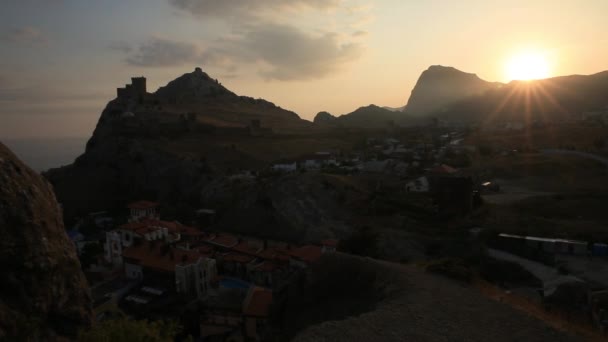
(324, 118)
(167, 145)
(527, 101)
(371, 116)
(44, 293)
(439, 86)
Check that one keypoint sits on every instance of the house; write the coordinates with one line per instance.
(126, 234)
(329, 245)
(237, 315)
(143, 210)
(316, 161)
(190, 271)
(302, 257)
(256, 310)
(285, 166)
(420, 184)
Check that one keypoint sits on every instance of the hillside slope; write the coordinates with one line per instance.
(546, 100)
(403, 303)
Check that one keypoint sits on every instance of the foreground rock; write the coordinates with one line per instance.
(44, 293)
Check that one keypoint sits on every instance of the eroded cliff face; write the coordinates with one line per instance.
(43, 292)
(439, 86)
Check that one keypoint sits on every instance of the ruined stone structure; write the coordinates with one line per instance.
(134, 91)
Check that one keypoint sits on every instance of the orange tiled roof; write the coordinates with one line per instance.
(329, 242)
(245, 248)
(275, 253)
(307, 253)
(143, 205)
(147, 226)
(159, 257)
(224, 240)
(258, 302)
(238, 258)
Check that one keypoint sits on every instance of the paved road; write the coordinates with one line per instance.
(600, 159)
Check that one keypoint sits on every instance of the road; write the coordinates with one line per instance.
(595, 157)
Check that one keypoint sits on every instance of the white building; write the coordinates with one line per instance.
(195, 278)
(418, 185)
(143, 210)
(285, 166)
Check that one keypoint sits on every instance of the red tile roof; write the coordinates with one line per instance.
(329, 242)
(160, 257)
(143, 205)
(444, 169)
(245, 248)
(146, 226)
(224, 240)
(308, 254)
(274, 253)
(258, 302)
(238, 258)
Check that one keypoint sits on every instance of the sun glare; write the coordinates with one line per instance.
(527, 66)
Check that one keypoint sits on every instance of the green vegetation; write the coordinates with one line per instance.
(126, 330)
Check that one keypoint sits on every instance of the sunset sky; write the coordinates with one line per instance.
(61, 60)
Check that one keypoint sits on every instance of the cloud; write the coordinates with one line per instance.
(26, 35)
(121, 46)
(261, 34)
(289, 53)
(247, 8)
(360, 33)
(162, 52)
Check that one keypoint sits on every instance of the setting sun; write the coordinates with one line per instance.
(527, 66)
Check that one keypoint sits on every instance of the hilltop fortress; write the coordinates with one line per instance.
(192, 103)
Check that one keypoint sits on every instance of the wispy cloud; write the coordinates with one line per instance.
(163, 52)
(26, 35)
(259, 35)
(121, 46)
(246, 9)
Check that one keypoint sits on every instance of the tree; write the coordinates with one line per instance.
(363, 241)
(89, 254)
(127, 330)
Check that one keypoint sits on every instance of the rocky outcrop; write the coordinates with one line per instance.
(439, 86)
(44, 295)
(323, 118)
(372, 117)
(306, 207)
(168, 145)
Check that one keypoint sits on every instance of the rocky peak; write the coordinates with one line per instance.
(44, 293)
(192, 86)
(439, 86)
(323, 118)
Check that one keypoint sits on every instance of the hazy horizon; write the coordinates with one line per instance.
(64, 59)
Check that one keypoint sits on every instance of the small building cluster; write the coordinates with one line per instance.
(171, 257)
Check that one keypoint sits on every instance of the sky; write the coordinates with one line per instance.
(62, 60)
